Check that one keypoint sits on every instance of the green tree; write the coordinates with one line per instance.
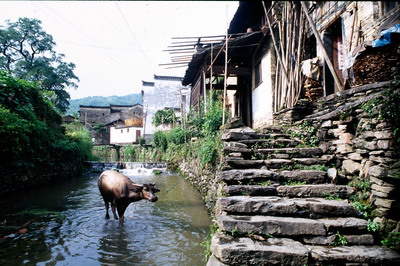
(164, 117)
(27, 52)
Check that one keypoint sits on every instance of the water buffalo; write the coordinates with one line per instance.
(120, 191)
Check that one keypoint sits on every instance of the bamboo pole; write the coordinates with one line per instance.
(275, 43)
(320, 43)
(352, 25)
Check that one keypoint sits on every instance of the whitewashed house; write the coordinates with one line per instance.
(163, 92)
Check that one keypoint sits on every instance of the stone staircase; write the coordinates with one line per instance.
(281, 206)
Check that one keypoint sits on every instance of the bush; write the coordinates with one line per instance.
(160, 140)
(31, 137)
(178, 135)
(208, 150)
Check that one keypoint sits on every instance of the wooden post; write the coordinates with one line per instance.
(320, 43)
(211, 74)
(205, 91)
(225, 78)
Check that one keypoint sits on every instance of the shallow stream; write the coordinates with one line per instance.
(66, 226)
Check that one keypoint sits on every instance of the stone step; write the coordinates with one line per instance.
(298, 191)
(275, 164)
(297, 207)
(243, 164)
(246, 251)
(293, 152)
(288, 153)
(310, 191)
(270, 143)
(308, 176)
(250, 190)
(244, 176)
(364, 239)
(308, 229)
(228, 250)
(355, 255)
(236, 136)
(278, 164)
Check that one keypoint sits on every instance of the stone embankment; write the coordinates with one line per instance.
(281, 206)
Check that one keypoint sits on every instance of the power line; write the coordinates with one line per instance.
(131, 31)
(102, 47)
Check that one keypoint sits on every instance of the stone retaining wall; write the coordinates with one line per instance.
(363, 146)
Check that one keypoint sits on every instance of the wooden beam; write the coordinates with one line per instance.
(321, 44)
(221, 87)
(236, 71)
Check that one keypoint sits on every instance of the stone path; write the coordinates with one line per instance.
(281, 207)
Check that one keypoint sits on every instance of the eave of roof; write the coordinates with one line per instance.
(198, 58)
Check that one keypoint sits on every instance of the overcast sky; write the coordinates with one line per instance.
(116, 45)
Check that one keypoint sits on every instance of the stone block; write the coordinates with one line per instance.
(246, 175)
(309, 176)
(346, 138)
(368, 135)
(365, 239)
(371, 255)
(361, 151)
(375, 180)
(315, 191)
(270, 225)
(377, 171)
(384, 189)
(384, 144)
(327, 123)
(377, 153)
(355, 156)
(344, 224)
(307, 207)
(246, 251)
(350, 167)
(384, 135)
(319, 240)
(386, 203)
(344, 148)
(332, 174)
(380, 159)
(251, 190)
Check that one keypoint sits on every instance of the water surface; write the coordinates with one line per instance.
(68, 226)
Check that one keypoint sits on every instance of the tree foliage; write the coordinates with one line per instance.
(31, 137)
(164, 117)
(27, 52)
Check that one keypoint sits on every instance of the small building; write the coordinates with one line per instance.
(100, 120)
(125, 134)
(68, 119)
(163, 92)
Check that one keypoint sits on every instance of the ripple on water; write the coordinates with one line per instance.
(167, 232)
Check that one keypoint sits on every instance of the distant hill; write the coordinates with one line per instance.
(130, 99)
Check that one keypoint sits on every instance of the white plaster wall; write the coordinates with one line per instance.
(262, 107)
(165, 93)
(124, 135)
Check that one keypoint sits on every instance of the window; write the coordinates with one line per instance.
(387, 6)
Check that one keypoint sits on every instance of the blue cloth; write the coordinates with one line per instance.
(386, 36)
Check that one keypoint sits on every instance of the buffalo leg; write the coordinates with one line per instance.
(107, 206)
(121, 210)
(113, 210)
